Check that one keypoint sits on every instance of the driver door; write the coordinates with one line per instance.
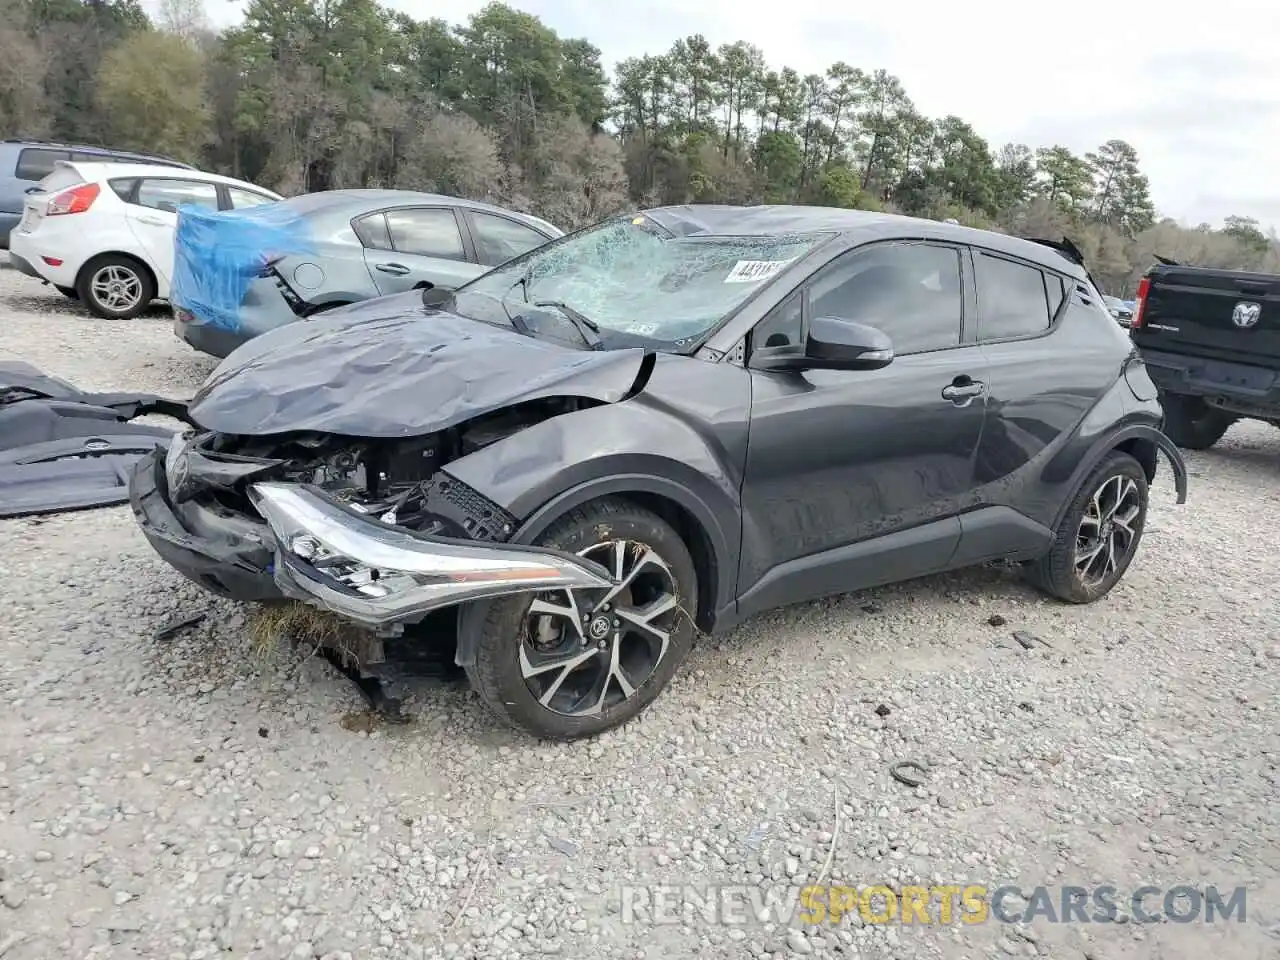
(855, 478)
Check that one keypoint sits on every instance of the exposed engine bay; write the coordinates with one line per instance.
(397, 481)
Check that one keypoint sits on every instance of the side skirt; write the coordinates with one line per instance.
(990, 533)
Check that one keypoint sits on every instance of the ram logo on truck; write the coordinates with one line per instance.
(1246, 314)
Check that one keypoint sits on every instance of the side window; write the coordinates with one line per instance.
(164, 194)
(372, 231)
(1011, 298)
(246, 198)
(123, 187)
(427, 232)
(499, 239)
(36, 164)
(1057, 292)
(911, 291)
(783, 327)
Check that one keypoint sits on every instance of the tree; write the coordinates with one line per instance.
(1120, 193)
(316, 94)
(1065, 179)
(151, 89)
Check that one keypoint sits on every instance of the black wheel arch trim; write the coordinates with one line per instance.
(1116, 438)
(716, 601)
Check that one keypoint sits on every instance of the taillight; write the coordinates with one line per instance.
(1144, 285)
(73, 200)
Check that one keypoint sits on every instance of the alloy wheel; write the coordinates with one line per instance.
(1108, 529)
(116, 288)
(585, 651)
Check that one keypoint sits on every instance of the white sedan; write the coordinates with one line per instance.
(103, 232)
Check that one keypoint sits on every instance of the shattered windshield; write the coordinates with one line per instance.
(631, 277)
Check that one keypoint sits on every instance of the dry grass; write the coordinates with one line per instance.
(296, 624)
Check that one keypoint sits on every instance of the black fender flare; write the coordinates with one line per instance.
(1109, 441)
(724, 559)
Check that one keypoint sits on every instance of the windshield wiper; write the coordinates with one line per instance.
(523, 282)
(587, 328)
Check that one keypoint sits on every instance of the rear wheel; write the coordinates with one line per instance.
(1191, 423)
(570, 664)
(115, 287)
(1098, 535)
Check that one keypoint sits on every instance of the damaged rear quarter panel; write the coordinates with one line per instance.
(683, 437)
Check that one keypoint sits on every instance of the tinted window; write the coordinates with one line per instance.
(782, 327)
(911, 291)
(426, 232)
(499, 239)
(372, 231)
(246, 198)
(1011, 298)
(123, 187)
(1057, 291)
(171, 194)
(36, 164)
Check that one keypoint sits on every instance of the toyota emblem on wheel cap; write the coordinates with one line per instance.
(1246, 314)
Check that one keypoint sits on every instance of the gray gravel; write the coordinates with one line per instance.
(199, 797)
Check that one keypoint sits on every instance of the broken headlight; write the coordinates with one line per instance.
(377, 573)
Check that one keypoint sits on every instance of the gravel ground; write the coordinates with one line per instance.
(201, 797)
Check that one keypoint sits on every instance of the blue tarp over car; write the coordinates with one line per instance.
(219, 253)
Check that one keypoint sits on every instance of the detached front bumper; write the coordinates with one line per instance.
(313, 548)
(379, 575)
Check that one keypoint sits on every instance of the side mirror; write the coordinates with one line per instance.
(832, 344)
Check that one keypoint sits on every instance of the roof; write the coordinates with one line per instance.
(101, 170)
(857, 226)
(58, 145)
(357, 200)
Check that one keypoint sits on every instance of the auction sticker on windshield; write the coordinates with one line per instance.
(751, 271)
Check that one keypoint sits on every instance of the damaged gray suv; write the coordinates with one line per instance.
(662, 424)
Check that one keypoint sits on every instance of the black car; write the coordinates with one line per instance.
(668, 421)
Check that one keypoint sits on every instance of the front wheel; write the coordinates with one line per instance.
(1099, 534)
(572, 663)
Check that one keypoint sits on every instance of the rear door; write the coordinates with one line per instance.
(498, 239)
(407, 247)
(1228, 314)
(152, 212)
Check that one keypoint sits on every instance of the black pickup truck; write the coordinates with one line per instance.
(1211, 341)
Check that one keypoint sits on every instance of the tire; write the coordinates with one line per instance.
(69, 292)
(1058, 572)
(507, 648)
(1191, 423)
(136, 291)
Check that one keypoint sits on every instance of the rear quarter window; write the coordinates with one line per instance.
(36, 163)
(1014, 298)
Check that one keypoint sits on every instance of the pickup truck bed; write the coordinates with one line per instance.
(1211, 342)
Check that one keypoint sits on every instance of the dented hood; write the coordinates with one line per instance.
(393, 368)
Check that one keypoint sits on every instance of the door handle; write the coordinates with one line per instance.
(395, 269)
(151, 221)
(962, 390)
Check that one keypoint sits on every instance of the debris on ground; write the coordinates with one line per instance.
(909, 772)
(177, 624)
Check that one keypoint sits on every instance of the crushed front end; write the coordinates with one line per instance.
(375, 531)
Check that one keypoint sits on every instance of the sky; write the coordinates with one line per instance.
(1195, 90)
